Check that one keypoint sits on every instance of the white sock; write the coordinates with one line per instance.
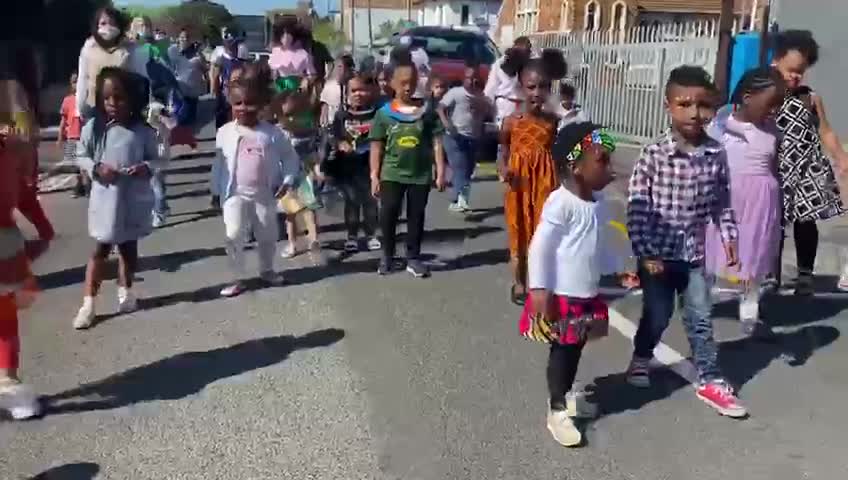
(123, 293)
(87, 302)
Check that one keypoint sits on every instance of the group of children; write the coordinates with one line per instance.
(707, 199)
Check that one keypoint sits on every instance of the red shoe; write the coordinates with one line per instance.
(720, 396)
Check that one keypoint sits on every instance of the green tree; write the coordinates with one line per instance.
(326, 32)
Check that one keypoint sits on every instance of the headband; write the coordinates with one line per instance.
(599, 137)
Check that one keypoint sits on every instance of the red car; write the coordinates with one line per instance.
(448, 48)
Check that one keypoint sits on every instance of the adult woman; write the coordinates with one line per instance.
(290, 62)
(107, 47)
(810, 191)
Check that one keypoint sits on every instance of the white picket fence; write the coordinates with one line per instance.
(620, 76)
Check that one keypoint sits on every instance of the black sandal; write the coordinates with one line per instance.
(515, 298)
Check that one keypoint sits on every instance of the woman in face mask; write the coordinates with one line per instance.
(189, 66)
(107, 47)
(142, 33)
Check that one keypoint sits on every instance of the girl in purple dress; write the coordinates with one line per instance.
(750, 137)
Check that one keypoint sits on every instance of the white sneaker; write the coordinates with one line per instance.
(127, 303)
(158, 220)
(577, 406)
(456, 208)
(85, 315)
(233, 290)
(374, 244)
(562, 428)
(463, 203)
(18, 399)
(289, 251)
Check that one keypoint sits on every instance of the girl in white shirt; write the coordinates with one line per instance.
(256, 163)
(567, 256)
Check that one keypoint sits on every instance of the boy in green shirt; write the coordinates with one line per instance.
(406, 137)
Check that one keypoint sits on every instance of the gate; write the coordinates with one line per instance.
(620, 76)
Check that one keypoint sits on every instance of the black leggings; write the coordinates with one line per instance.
(391, 201)
(128, 251)
(360, 208)
(562, 369)
(806, 236)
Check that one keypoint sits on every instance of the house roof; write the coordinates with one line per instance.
(686, 6)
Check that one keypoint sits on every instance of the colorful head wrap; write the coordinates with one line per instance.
(600, 137)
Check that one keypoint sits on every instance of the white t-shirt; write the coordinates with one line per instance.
(572, 247)
(331, 95)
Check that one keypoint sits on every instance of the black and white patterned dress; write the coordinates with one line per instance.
(810, 191)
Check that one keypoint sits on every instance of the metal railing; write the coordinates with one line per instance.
(620, 76)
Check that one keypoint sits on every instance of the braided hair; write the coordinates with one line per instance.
(551, 65)
(756, 80)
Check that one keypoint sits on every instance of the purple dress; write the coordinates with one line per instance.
(754, 195)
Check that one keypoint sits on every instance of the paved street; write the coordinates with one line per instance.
(346, 375)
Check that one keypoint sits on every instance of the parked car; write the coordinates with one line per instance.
(448, 48)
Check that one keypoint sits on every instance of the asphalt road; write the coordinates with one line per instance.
(346, 375)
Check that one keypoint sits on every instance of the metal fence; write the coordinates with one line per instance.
(620, 76)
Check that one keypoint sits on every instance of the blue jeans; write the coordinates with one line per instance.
(160, 192)
(659, 292)
(461, 151)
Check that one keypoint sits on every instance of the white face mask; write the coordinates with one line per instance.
(108, 32)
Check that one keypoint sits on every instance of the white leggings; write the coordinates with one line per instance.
(260, 213)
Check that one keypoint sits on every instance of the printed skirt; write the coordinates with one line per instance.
(576, 320)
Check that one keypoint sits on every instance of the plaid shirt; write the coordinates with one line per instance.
(673, 194)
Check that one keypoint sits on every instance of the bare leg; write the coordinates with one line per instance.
(311, 220)
(94, 269)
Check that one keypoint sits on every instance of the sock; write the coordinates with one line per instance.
(123, 293)
(87, 302)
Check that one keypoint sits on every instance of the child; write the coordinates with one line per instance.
(462, 111)
(297, 121)
(256, 163)
(17, 283)
(348, 162)
(406, 137)
(678, 185)
(225, 115)
(119, 151)
(750, 136)
(567, 257)
(162, 124)
(334, 92)
(529, 172)
(385, 93)
(222, 73)
(570, 112)
(807, 180)
(70, 127)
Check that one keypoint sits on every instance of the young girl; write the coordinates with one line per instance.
(750, 138)
(70, 128)
(17, 283)
(525, 163)
(119, 151)
(256, 163)
(298, 123)
(567, 257)
(290, 62)
(438, 89)
(810, 191)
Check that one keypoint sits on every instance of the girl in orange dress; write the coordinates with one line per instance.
(526, 165)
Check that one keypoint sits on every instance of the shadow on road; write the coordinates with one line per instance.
(741, 360)
(202, 192)
(184, 374)
(483, 214)
(70, 471)
(789, 310)
(168, 262)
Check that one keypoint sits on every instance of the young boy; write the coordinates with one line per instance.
(569, 112)
(462, 111)
(678, 185)
(347, 162)
(70, 126)
(405, 139)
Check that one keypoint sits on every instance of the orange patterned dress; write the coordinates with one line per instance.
(531, 164)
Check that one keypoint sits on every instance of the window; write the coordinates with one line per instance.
(619, 16)
(565, 13)
(592, 17)
(527, 16)
(464, 15)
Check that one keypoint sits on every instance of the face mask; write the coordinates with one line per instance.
(108, 32)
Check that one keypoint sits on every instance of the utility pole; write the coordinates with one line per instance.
(353, 26)
(725, 34)
(370, 30)
(408, 10)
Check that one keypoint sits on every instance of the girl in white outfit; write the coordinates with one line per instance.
(256, 163)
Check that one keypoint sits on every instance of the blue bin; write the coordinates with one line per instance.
(744, 56)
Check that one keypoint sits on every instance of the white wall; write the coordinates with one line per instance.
(378, 17)
(449, 12)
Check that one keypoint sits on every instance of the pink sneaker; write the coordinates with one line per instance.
(720, 396)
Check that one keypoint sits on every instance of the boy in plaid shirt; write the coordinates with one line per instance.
(679, 184)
